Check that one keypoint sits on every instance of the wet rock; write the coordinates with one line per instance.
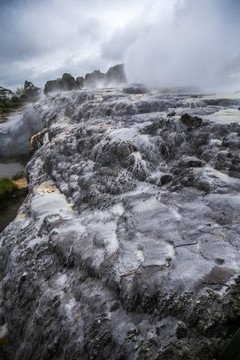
(191, 121)
(166, 179)
(116, 75)
(221, 102)
(126, 246)
(181, 330)
(94, 79)
(191, 162)
(136, 89)
(172, 113)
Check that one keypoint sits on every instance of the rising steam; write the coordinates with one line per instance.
(190, 43)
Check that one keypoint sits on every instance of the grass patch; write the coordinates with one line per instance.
(7, 190)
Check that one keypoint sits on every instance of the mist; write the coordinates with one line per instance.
(161, 42)
(186, 43)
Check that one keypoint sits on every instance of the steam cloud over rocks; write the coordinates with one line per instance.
(162, 43)
(127, 246)
(186, 43)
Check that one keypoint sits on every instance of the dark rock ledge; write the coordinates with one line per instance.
(127, 246)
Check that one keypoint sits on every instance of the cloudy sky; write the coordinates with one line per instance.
(161, 42)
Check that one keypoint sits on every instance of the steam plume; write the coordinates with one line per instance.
(198, 45)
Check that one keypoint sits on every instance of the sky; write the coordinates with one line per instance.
(161, 42)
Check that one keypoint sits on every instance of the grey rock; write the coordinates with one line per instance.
(181, 330)
(171, 113)
(94, 79)
(191, 121)
(136, 89)
(101, 262)
(116, 75)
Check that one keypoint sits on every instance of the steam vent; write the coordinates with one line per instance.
(127, 245)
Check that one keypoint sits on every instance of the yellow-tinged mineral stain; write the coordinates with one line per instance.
(71, 207)
(139, 96)
(21, 215)
(45, 188)
(34, 141)
(21, 182)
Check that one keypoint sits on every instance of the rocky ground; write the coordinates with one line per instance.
(127, 246)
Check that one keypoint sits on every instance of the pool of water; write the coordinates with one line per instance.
(8, 168)
(12, 166)
(225, 116)
(9, 212)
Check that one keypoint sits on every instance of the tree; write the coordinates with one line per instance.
(28, 85)
(30, 90)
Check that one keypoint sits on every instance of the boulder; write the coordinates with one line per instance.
(191, 121)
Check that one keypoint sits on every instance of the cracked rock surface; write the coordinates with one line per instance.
(127, 246)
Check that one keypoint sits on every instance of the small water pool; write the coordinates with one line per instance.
(12, 166)
(9, 212)
(225, 116)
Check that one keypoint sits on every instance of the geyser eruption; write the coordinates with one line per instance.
(186, 43)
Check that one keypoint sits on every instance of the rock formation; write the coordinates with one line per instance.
(67, 82)
(127, 246)
(115, 76)
(94, 79)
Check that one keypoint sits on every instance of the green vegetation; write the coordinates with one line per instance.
(67, 82)
(9, 104)
(7, 190)
(23, 94)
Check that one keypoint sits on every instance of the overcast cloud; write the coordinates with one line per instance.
(161, 42)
